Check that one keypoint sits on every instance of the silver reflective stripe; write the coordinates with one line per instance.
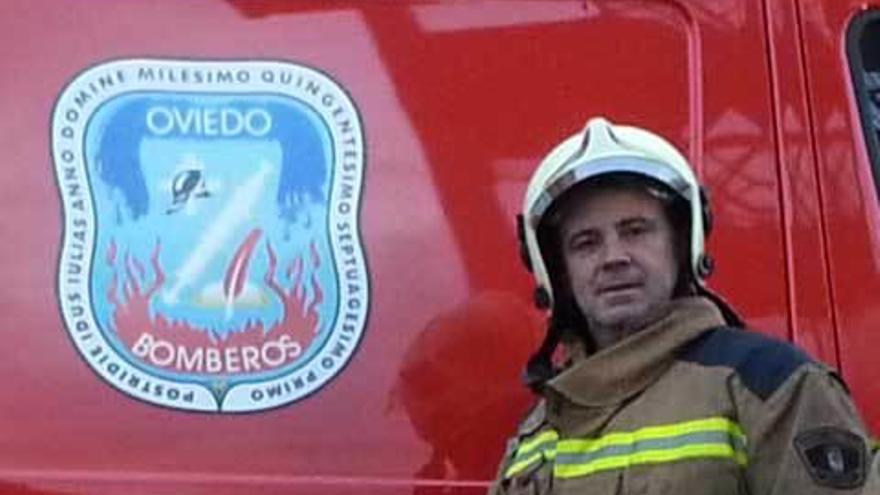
(698, 438)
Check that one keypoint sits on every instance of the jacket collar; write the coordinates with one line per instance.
(616, 373)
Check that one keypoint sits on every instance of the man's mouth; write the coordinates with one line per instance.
(619, 287)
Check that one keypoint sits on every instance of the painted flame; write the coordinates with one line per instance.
(130, 293)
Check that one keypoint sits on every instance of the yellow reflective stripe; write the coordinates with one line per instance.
(545, 446)
(700, 451)
(520, 466)
(707, 438)
(548, 436)
(579, 446)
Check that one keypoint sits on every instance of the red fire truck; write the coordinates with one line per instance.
(268, 246)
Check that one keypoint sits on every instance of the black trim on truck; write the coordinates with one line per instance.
(863, 52)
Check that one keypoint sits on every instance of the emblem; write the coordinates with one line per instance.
(211, 256)
(833, 456)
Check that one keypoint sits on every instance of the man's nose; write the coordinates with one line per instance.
(615, 254)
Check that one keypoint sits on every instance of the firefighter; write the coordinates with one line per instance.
(661, 389)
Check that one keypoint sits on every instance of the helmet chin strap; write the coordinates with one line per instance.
(539, 369)
(730, 316)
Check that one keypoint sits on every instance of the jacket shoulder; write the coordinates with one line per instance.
(761, 362)
(534, 420)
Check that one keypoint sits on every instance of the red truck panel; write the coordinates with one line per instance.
(849, 199)
(458, 102)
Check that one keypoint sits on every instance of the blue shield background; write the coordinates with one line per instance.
(186, 200)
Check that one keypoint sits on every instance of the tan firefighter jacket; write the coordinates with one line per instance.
(688, 406)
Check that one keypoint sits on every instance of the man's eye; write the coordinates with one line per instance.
(635, 230)
(581, 243)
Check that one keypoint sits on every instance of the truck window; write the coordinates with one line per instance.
(863, 50)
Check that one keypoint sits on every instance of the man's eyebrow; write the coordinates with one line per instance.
(636, 220)
(579, 231)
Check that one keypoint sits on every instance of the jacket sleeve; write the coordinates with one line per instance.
(806, 437)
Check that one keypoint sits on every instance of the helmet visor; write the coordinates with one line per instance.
(591, 169)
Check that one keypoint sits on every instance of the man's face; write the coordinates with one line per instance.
(618, 248)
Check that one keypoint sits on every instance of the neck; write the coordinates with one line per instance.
(606, 335)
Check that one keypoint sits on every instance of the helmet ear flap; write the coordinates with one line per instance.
(521, 237)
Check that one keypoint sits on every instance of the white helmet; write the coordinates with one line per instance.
(600, 150)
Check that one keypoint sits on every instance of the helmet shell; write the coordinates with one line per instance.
(604, 149)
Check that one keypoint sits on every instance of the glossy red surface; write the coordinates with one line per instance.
(849, 201)
(459, 102)
(806, 267)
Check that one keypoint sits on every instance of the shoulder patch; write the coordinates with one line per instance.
(834, 457)
(761, 362)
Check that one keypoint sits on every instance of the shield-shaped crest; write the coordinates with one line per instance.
(209, 209)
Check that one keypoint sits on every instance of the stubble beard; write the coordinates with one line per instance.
(608, 333)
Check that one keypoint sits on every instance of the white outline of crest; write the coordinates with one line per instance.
(69, 124)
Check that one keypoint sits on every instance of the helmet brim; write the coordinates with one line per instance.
(590, 171)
